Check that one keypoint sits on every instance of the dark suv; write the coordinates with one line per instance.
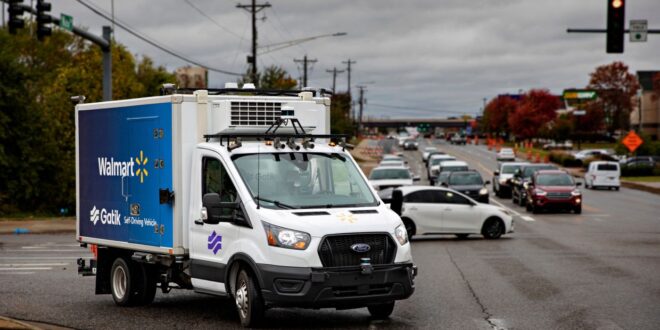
(520, 179)
(469, 183)
(553, 189)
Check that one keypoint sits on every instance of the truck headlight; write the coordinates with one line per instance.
(286, 238)
(483, 191)
(539, 192)
(576, 192)
(401, 234)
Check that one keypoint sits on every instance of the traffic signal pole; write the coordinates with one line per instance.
(104, 42)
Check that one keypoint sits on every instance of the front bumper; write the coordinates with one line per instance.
(544, 202)
(338, 287)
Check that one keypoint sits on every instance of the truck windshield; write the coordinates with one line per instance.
(303, 180)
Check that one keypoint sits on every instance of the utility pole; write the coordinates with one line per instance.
(305, 62)
(334, 72)
(361, 102)
(348, 63)
(254, 8)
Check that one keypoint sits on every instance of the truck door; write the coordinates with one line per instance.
(211, 245)
(141, 187)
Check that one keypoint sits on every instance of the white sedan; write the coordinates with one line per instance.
(506, 154)
(436, 210)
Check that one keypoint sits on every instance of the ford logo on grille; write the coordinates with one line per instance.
(360, 247)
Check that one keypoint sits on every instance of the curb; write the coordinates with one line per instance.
(642, 187)
(15, 324)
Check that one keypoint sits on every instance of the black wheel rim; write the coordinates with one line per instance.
(494, 229)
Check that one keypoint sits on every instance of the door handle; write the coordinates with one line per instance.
(199, 222)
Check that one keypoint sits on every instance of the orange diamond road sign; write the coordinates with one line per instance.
(632, 141)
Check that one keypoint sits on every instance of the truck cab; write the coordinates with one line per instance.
(271, 215)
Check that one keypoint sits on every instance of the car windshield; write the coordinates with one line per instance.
(465, 179)
(389, 174)
(554, 180)
(436, 161)
(303, 180)
(454, 168)
(532, 169)
(510, 169)
(608, 167)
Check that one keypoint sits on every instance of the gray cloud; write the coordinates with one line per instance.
(445, 55)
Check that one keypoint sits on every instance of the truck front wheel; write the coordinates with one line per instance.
(249, 304)
(381, 311)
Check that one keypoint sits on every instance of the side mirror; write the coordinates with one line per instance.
(215, 209)
(496, 173)
(397, 201)
(416, 178)
(487, 182)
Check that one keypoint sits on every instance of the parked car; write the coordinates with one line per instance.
(410, 144)
(427, 152)
(436, 210)
(603, 174)
(469, 183)
(639, 161)
(521, 178)
(506, 155)
(502, 177)
(587, 153)
(387, 177)
(549, 189)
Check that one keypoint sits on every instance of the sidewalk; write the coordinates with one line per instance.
(38, 226)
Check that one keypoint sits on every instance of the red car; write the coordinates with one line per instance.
(553, 189)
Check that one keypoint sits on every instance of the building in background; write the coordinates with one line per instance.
(192, 77)
(650, 106)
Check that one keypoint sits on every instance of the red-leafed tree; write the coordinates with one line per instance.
(497, 112)
(594, 119)
(656, 86)
(536, 109)
(615, 86)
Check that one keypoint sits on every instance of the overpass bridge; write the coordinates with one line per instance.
(404, 122)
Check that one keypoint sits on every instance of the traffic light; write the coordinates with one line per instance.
(15, 20)
(43, 18)
(615, 25)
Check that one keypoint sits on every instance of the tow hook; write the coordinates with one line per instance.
(367, 268)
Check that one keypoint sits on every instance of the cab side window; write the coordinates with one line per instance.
(215, 179)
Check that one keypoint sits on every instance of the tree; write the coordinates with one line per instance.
(272, 77)
(535, 110)
(340, 114)
(497, 112)
(615, 87)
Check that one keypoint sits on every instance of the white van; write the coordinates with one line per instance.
(603, 174)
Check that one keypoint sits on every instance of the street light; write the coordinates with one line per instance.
(265, 49)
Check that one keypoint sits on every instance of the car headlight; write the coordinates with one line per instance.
(286, 238)
(539, 192)
(401, 234)
(576, 192)
(483, 191)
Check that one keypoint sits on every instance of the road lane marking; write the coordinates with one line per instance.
(45, 258)
(505, 207)
(18, 273)
(35, 265)
(34, 250)
(528, 218)
(26, 268)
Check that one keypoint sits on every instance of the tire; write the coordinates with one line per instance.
(535, 210)
(381, 311)
(493, 228)
(249, 303)
(578, 209)
(410, 227)
(528, 207)
(462, 236)
(123, 287)
(513, 198)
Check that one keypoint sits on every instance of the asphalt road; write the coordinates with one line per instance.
(598, 270)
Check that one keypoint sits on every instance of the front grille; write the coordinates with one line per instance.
(559, 195)
(335, 251)
(244, 113)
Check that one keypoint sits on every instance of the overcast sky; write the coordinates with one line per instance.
(434, 58)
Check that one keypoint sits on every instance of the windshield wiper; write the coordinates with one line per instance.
(276, 203)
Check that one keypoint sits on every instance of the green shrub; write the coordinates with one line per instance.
(640, 170)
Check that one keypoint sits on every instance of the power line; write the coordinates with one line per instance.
(146, 39)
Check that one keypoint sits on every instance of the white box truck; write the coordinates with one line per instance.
(233, 192)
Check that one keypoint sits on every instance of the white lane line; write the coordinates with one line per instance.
(45, 250)
(17, 273)
(505, 207)
(46, 246)
(45, 258)
(35, 265)
(26, 268)
(528, 218)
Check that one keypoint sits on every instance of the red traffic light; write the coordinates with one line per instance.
(617, 3)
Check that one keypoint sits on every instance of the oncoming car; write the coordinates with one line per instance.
(389, 177)
(436, 210)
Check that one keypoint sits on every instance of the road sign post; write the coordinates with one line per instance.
(66, 22)
(638, 30)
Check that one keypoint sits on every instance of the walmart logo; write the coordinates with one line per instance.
(142, 161)
(111, 167)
